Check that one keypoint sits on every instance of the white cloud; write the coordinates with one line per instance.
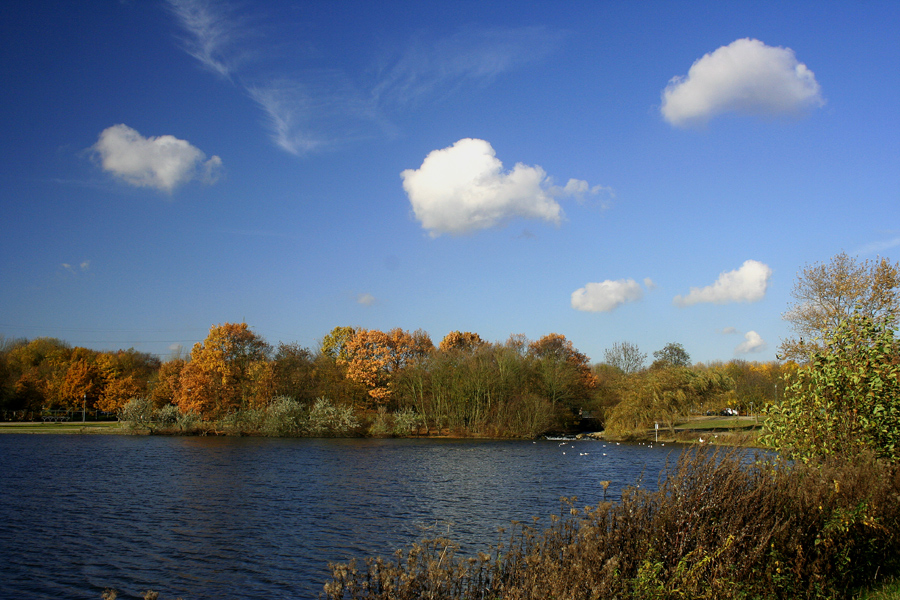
(365, 299)
(606, 295)
(752, 343)
(745, 77)
(747, 284)
(730, 331)
(163, 162)
(463, 188)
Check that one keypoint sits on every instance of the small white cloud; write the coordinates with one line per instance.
(85, 265)
(745, 77)
(606, 295)
(878, 247)
(649, 284)
(747, 284)
(729, 331)
(163, 162)
(463, 188)
(752, 343)
(365, 299)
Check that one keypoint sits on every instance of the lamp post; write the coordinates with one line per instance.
(83, 406)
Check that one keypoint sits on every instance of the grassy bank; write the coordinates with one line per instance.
(717, 528)
(92, 427)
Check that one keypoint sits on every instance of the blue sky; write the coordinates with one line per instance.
(612, 171)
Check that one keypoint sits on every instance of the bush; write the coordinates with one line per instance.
(284, 416)
(167, 415)
(326, 419)
(137, 412)
(718, 527)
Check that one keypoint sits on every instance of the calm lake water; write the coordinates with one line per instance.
(206, 517)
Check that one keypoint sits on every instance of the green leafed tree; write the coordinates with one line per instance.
(846, 399)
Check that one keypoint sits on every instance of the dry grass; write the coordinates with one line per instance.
(719, 527)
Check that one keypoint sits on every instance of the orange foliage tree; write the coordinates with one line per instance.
(465, 341)
(375, 357)
(564, 372)
(220, 377)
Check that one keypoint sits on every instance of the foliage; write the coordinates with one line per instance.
(224, 373)
(664, 395)
(284, 416)
(718, 527)
(167, 415)
(826, 294)
(334, 345)
(673, 354)
(374, 357)
(326, 419)
(626, 357)
(465, 341)
(137, 412)
(847, 399)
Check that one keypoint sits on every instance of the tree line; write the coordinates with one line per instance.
(464, 385)
(520, 387)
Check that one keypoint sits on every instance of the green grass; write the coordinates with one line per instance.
(888, 591)
(710, 423)
(65, 427)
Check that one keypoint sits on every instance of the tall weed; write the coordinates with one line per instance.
(719, 526)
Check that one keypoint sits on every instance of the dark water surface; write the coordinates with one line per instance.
(206, 517)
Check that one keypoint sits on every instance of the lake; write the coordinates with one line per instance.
(216, 517)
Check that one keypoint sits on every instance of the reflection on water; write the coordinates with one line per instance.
(249, 517)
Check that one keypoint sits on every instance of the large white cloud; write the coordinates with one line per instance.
(747, 284)
(163, 162)
(608, 295)
(744, 77)
(752, 343)
(463, 188)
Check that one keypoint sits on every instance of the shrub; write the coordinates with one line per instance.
(137, 412)
(284, 416)
(326, 419)
(167, 415)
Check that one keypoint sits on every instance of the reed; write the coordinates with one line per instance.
(721, 525)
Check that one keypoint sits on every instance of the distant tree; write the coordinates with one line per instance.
(563, 372)
(673, 354)
(826, 294)
(220, 377)
(374, 357)
(167, 382)
(334, 344)
(663, 396)
(464, 341)
(625, 356)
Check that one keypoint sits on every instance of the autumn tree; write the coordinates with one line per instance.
(374, 357)
(826, 294)
(221, 375)
(626, 357)
(464, 341)
(167, 382)
(564, 372)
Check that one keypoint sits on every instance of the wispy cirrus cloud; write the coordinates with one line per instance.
(308, 108)
(431, 68)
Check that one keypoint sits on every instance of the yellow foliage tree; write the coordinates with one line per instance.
(220, 377)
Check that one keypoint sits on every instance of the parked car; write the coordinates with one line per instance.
(729, 412)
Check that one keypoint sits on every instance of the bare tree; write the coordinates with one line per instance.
(826, 294)
(625, 356)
